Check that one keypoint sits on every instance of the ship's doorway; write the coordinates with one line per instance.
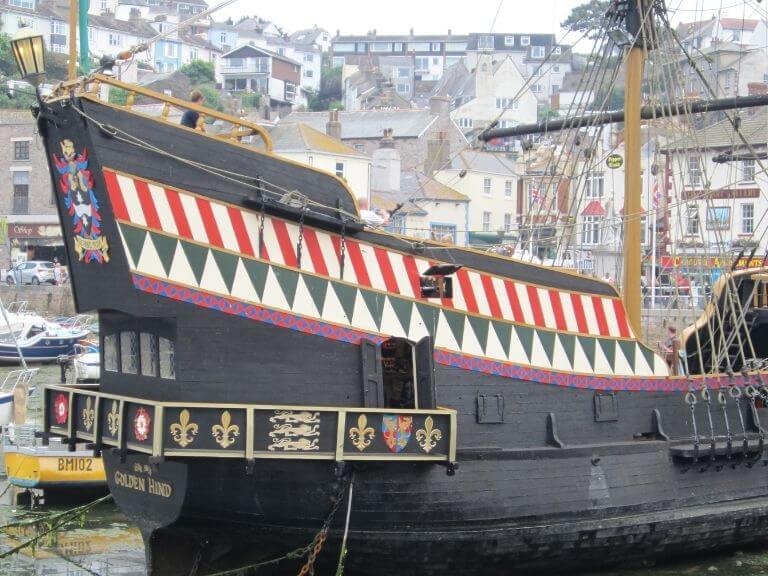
(398, 364)
(398, 373)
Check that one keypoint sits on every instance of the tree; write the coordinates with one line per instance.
(588, 17)
(212, 97)
(198, 72)
(329, 95)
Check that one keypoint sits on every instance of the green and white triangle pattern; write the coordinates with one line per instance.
(344, 304)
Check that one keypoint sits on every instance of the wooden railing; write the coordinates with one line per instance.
(250, 431)
(91, 87)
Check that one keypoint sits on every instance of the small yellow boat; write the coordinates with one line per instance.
(52, 467)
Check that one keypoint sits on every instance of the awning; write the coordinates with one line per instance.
(594, 208)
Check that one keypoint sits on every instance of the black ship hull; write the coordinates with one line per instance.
(242, 393)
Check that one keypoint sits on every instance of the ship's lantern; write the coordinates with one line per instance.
(28, 51)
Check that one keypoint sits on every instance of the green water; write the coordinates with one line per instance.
(107, 544)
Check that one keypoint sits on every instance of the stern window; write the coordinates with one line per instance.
(398, 373)
(129, 348)
(110, 353)
(148, 354)
(167, 359)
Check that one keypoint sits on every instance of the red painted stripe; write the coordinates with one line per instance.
(413, 274)
(356, 256)
(178, 213)
(286, 246)
(209, 222)
(517, 310)
(147, 204)
(557, 309)
(490, 295)
(382, 257)
(602, 323)
(578, 310)
(533, 298)
(621, 318)
(115, 195)
(315, 253)
(238, 225)
(466, 291)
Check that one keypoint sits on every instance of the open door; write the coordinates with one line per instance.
(425, 374)
(373, 389)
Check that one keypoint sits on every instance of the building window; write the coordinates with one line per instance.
(435, 47)
(167, 356)
(486, 221)
(421, 63)
(170, 50)
(403, 88)
(290, 91)
(29, 4)
(57, 27)
(360, 148)
(537, 51)
(509, 40)
(594, 185)
(21, 151)
(148, 345)
(747, 218)
(381, 47)
(436, 61)
(403, 72)
(443, 232)
(111, 357)
(508, 188)
(360, 47)
(21, 192)
(465, 122)
(737, 35)
(557, 50)
(114, 39)
(337, 61)
(193, 54)
(536, 88)
(308, 74)
(507, 222)
(340, 169)
(309, 57)
(692, 220)
(397, 47)
(590, 230)
(485, 42)
(525, 40)
(694, 171)
(748, 170)
(223, 38)
(487, 186)
(129, 353)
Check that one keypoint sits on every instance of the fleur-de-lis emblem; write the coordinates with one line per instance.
(226, 432)
(362, 435)
(428, 437)
(88, 415)
(113, 419)
(184, 431)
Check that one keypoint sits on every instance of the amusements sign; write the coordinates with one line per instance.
(614, 161)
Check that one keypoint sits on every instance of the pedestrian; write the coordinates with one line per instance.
(607, 278)
(191, 118)
(57, 276)
(670, 349)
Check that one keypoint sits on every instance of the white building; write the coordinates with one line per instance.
(303, 144)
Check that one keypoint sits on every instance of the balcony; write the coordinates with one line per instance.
(249, 431)
(243, 66)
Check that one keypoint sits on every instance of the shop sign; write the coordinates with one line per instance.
(34, 231)
(708, 262)
(614, 161)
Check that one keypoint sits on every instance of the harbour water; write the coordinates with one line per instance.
(106, 544)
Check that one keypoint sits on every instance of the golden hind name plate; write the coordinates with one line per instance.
(183, 432)
(113, 419)
(226, 432)
(362, 435)
(429, 436)
(88, 415)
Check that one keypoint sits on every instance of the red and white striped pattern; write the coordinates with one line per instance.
(232, 228)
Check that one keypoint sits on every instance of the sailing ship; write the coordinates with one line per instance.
(268, 359)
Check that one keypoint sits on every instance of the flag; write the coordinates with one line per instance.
(656, 195)
(535, 195)
(85, 55)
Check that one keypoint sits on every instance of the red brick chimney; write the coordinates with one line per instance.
(333, 126)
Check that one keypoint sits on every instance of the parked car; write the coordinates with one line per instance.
(31, 272)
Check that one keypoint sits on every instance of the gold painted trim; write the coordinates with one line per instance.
(249, 427)
(341, 430)
(202, 453)
(158, 431)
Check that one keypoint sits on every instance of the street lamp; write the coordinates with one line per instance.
(28, 51)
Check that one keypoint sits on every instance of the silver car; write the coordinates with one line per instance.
(31, 272)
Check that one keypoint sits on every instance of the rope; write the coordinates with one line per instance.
(343, 551)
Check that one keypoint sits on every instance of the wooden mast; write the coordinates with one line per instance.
(631, 291)
(73, 13)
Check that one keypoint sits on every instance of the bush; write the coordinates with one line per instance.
(250, 100)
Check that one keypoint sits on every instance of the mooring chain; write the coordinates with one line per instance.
(300, 241)
(313, 549)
